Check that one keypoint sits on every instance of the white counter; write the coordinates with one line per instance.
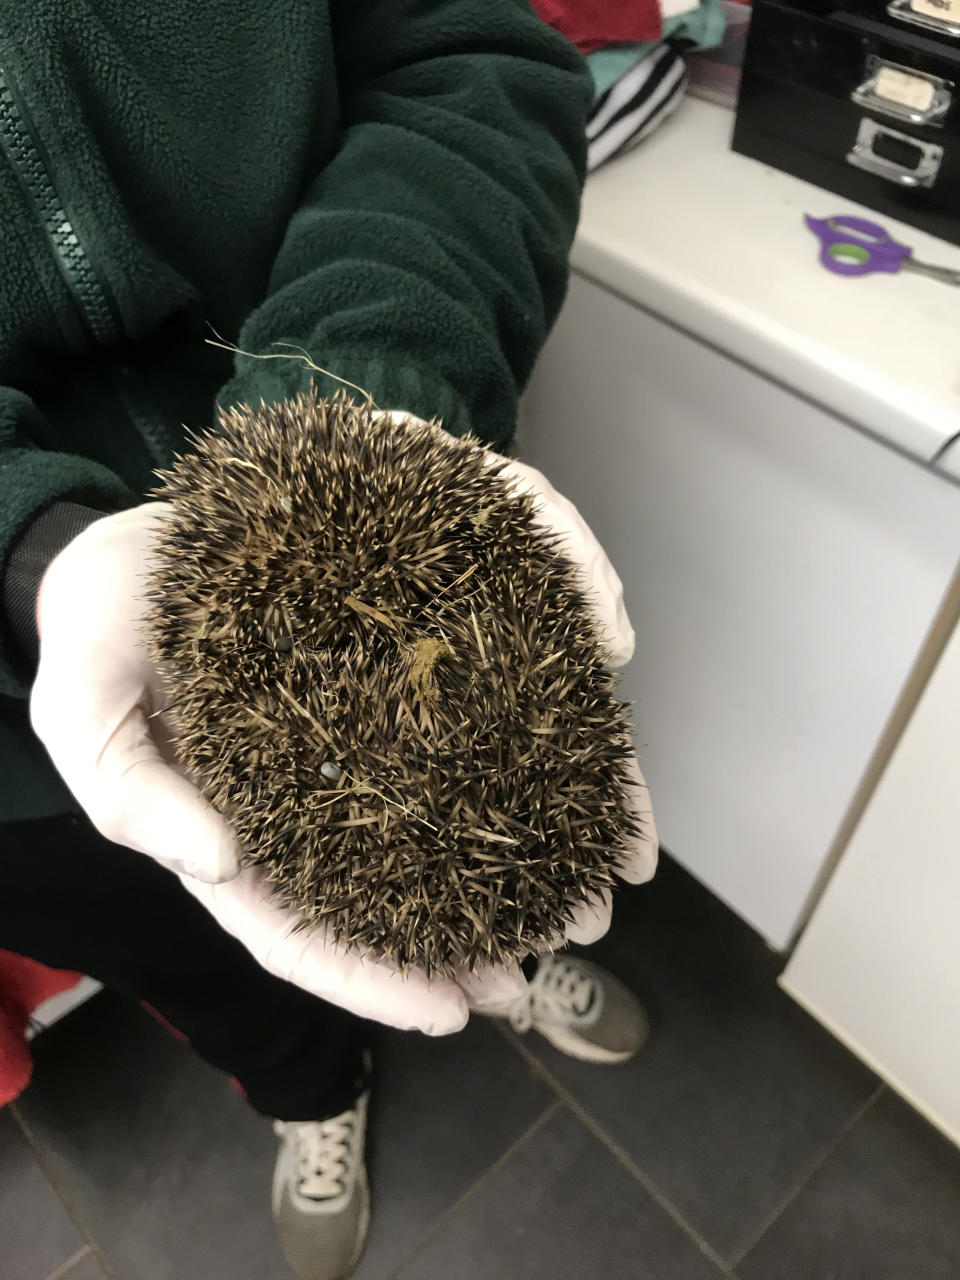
(764, 450)
(752, 439)
(716, 244)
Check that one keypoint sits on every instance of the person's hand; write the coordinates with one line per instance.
(602, 587)
(246, 908)
(97, 691)
(96, 705)
(309, 958)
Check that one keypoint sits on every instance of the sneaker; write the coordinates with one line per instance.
(582, 1010)
(321, 1201)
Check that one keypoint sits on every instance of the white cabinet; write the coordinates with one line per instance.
(879, 962)
(781, 571)
(771, 455)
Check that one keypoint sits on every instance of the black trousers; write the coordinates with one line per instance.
(73, 900)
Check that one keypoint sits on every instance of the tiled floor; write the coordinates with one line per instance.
(744, 1142)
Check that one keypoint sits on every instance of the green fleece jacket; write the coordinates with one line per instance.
(391, 185)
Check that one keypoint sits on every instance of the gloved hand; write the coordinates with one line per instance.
(602, 587)
(97, 690)
(96, 703)
(245, 907)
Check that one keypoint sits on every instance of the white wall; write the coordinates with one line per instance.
(879, 962)
(781, 571)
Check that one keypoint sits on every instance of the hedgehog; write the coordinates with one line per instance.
(384, 672)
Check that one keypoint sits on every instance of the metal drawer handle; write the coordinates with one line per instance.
(938, 90)
(903, 12)
(864, 157)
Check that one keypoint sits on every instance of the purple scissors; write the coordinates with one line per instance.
(857, 247)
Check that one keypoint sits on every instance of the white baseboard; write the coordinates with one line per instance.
(52, 1010)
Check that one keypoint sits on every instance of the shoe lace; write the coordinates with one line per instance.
(561, 990)
(324, 1152)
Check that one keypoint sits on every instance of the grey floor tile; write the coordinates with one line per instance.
(87, 1268)
(739, 1092)
(159, 1154)
(36, 1233)
(560, 1208)
(172, 1168)
(885, 1206)
(445, 1109)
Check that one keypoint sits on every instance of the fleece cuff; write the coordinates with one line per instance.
(25, 567)
(392, 386)
(40, 481)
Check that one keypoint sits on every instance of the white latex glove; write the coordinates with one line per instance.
(92, 705)
(96, 690)
(602, 587)
(246, 907)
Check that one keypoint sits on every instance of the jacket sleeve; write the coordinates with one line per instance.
(45, 499)
(429, 257)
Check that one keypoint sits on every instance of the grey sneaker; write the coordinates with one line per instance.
(321, 1202)
(582, 1010)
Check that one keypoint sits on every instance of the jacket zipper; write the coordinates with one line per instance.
(88, 294)
(142, 412)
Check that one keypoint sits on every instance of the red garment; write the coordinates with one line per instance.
(591, 24)
(24, 985)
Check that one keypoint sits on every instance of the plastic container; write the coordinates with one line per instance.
(715, 73)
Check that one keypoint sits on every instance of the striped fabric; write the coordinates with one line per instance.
(634, 106)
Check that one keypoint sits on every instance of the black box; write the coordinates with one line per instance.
(931, 18)
(858, 103)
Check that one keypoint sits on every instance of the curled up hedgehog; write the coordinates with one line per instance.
(382, 670)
